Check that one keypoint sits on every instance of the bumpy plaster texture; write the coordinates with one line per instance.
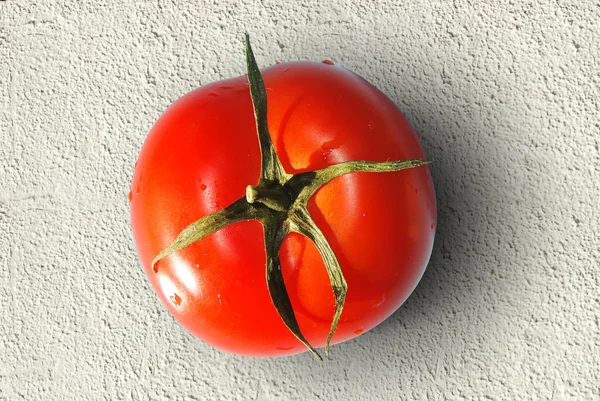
(505, 95)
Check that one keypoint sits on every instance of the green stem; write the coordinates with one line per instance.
(275, 232)
(271, 170)
(271, 198)
(238, 211)
(302, 223)
(327, 174)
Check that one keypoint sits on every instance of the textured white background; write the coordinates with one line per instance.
(505, 95)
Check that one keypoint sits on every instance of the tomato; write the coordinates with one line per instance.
(201, 155)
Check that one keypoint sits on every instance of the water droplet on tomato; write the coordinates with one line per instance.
(129, 196)
(432, 226)
(287, 69)
(326, 149)
(226, 87)
(328, 62)
(359, 332)
(364, 214)
(222, 300)
(381, 301)
(176, 299)
(137, 188)
(203, 187)
(214, 94)
(284, 348)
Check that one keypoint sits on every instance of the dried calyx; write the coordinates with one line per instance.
(279, 202)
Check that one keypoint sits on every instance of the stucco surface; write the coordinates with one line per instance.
(505, 95)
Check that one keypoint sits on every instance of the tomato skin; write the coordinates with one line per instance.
(203, 152)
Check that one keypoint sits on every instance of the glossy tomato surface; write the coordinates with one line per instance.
(203, 152)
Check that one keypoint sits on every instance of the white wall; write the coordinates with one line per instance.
(505, 97)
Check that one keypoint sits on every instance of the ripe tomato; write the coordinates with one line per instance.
(201, 155)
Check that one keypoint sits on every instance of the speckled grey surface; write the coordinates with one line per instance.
(505, 96)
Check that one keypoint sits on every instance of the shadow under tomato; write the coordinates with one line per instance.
(464, 193)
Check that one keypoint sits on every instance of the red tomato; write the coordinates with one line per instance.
(201, 155)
